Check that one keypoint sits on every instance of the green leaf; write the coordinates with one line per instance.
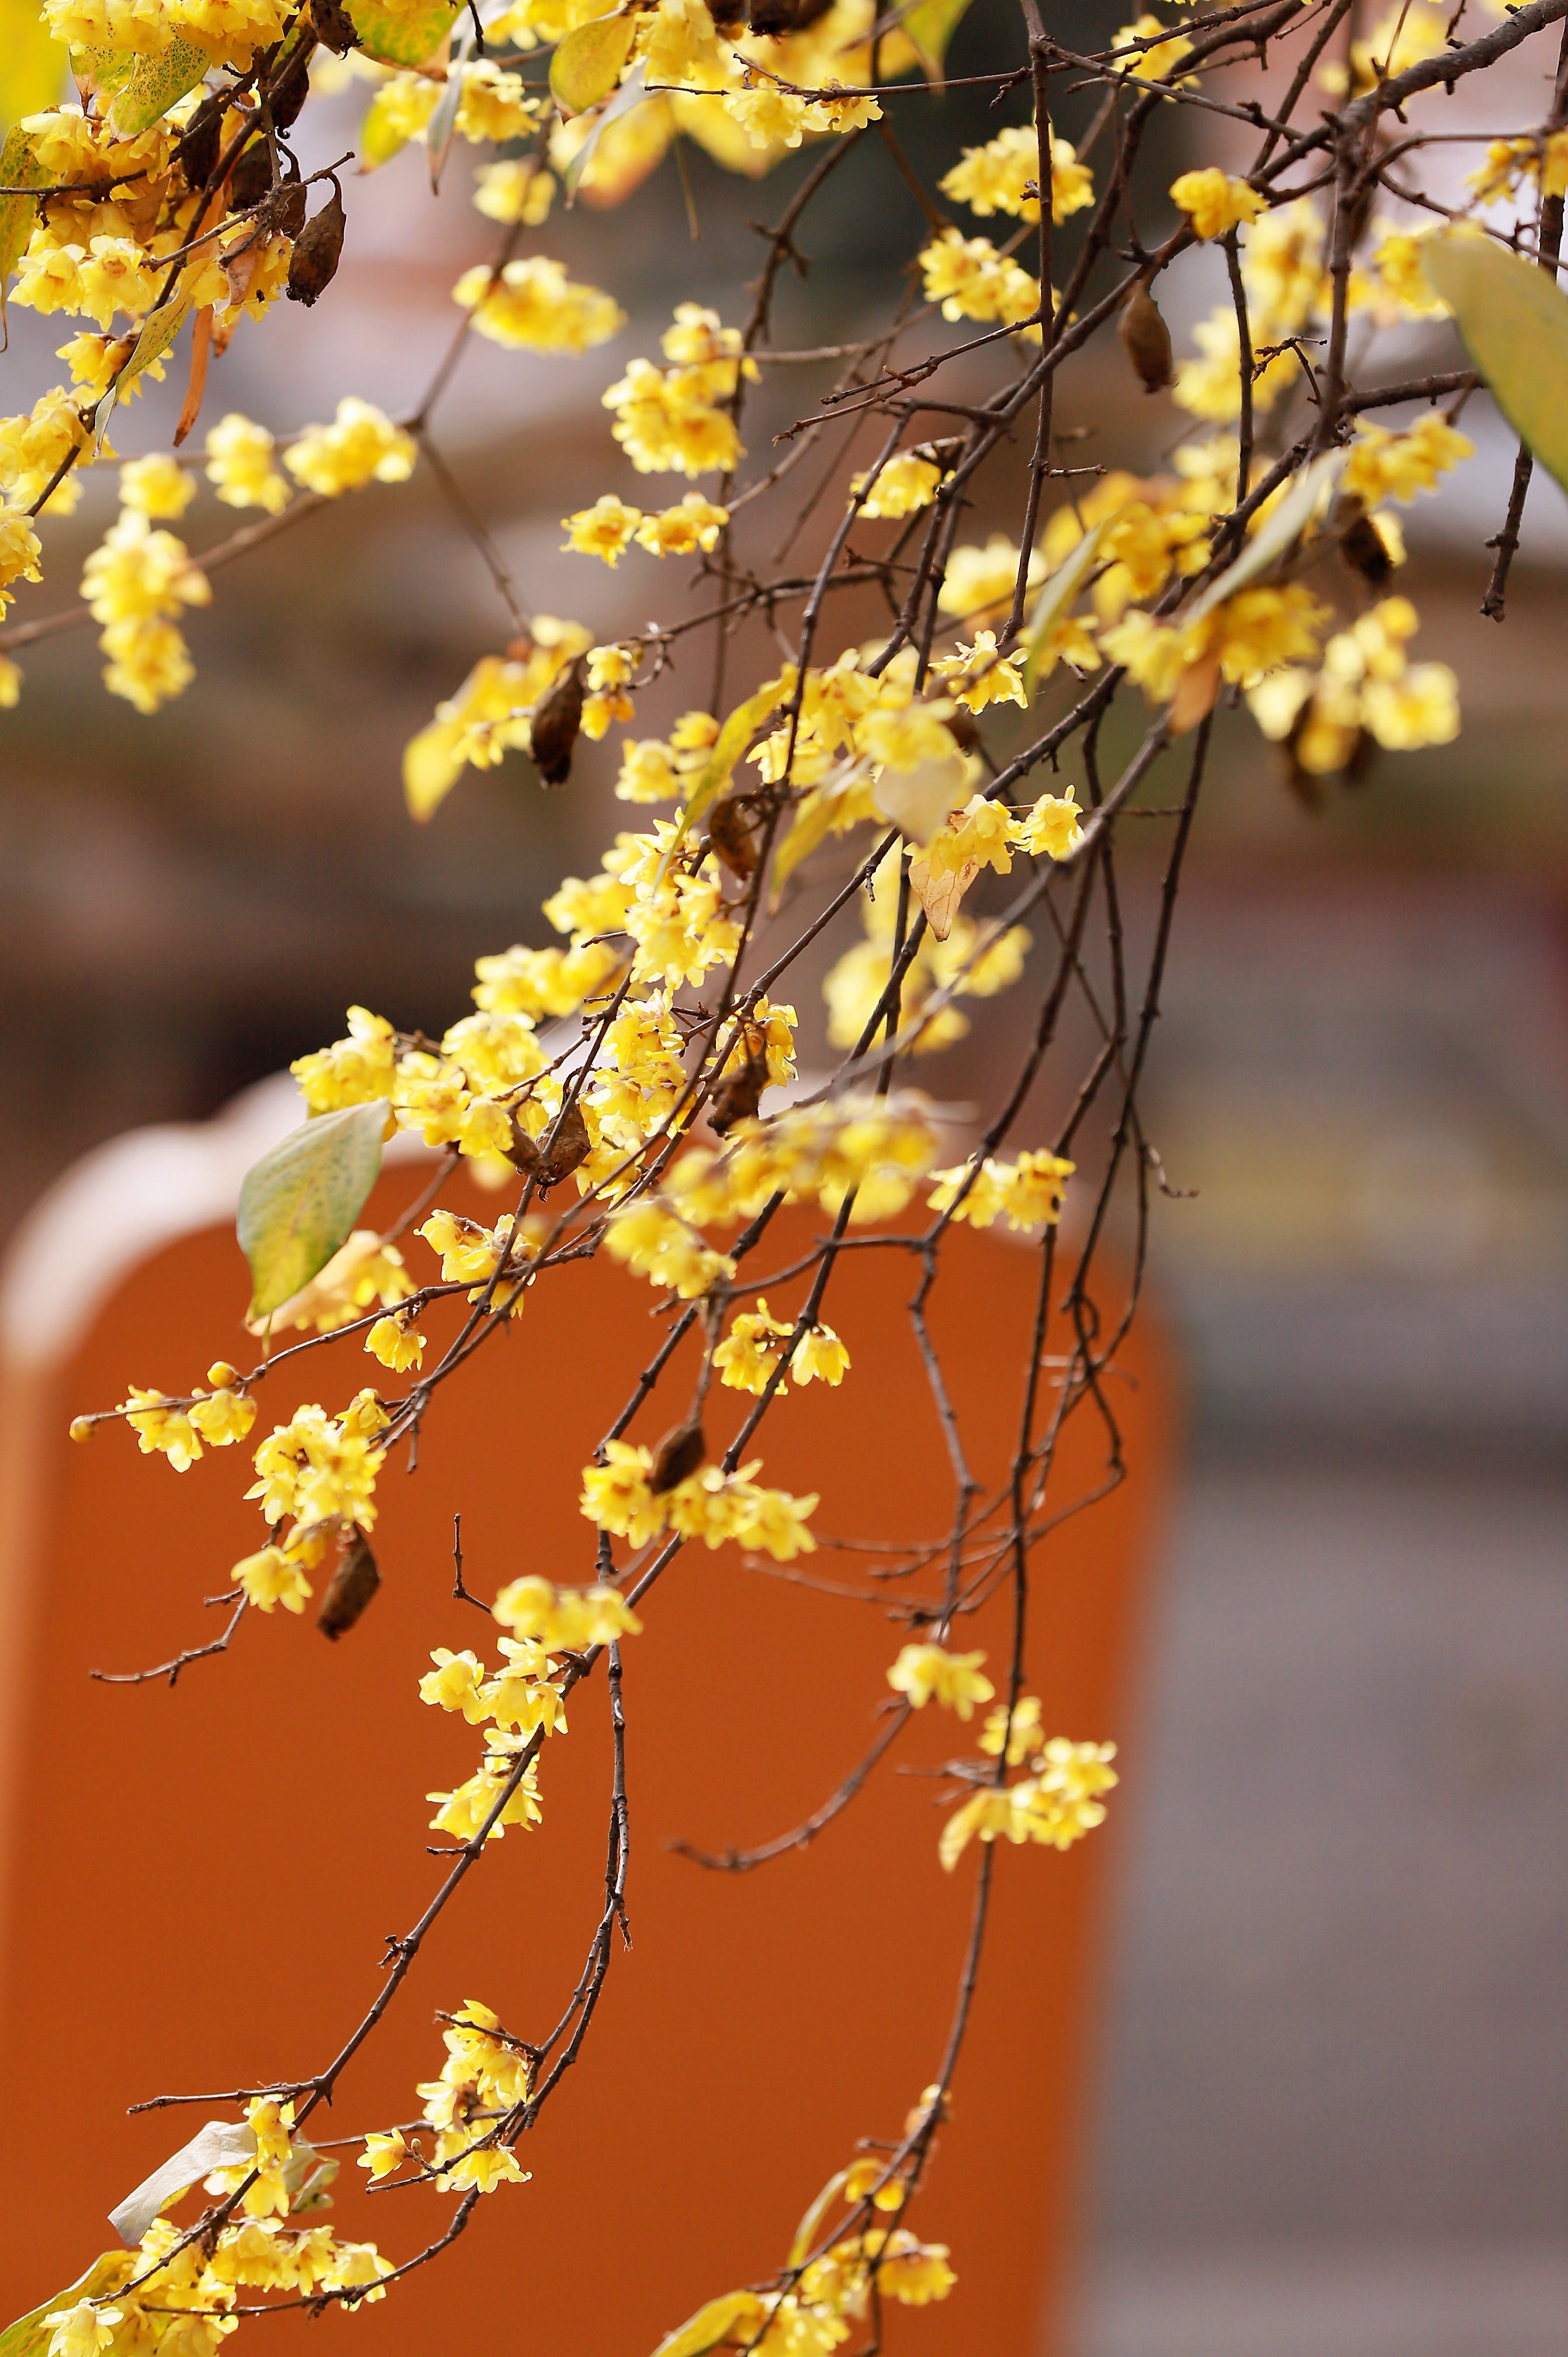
(32, 63)
(587, 65)
(628, 95)
(408, 36)
(19, 168)
(1514, 319)
(31, 2336)
(145, 88)
(1271, 539)
(298, 1203)
(444, 121)
(156, 333)
(930, 27)
(1056, 599)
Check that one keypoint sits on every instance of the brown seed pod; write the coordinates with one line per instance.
(730, 834)
(198, 148)
(557, 717)
(565, 1144)
(292, 88)
(1145, 338)
(777, 17)
(523, 1151)
(316, 249)
(251, 177)
(335, 29)
(739, 1094)
(354, 1581)
(286, 211)
(1361, 549)
(680, 1452)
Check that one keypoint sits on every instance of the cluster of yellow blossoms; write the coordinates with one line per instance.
(485, 2081)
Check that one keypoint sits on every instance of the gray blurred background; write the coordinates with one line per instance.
(1332, 2108)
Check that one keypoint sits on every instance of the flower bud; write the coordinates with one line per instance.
(222, 1375)
(81, 1428)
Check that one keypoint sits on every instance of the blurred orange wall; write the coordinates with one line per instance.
(197, 1883)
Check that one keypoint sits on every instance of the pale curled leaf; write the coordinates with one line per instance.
(737, 2318)
(1057, 597)
(917, 801)
(939, 895)
(587, 65)
(444, 121)
(1273, 538)
(298, 1203)
(222, 2144)
(31, 2336)
(628, 95)
(929, 26)
(1514, 319)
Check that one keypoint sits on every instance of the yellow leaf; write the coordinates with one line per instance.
(31, 2336)
(587, 65)
(298, 1203)
(1514, 319)
(1056, 599)
(157, 332)
(929, 26)
(735, 2318)
(19, 168)
(402, 36)
(32, 64)
(140, 90)
(939, 895)
(1273, 538)
(730, 744)
(917, 801)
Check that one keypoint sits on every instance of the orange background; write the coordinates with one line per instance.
(196, 1882)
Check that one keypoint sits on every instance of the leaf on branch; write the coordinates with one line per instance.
(917, 801)
(31, 66)
(929, 26)
(298, 1203)
(730, 744)
(1055, 601)
(140, 90)
(438, 131)
(406, 36)
(1273, 538)
(737, 2318)
(1514, 319)
(587, 65)
(157, 332)
(939, 895)
(628, 95)
(19, 168)
(222, 2144)
(29, 2336)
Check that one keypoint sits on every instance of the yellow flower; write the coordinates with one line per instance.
(978, 675)
(383, 2154)
(695, 522)
(1029, 1191)
(531, 305)
(514, 191)
(972, 281)
(240, 461)
(1161, 51)
(1001, 177)
(156, 486)
(222, 1416)
(1052, 828)
(906, 483)
(927, 1673)
(1214, 202)
(1026, 1736)
(271, 1577)
(1397, 466)
(565, 1619)
(978, 583)
(362, 445)
(604, 530)
(395, 1343)
(819, 1356)
(747, 1355)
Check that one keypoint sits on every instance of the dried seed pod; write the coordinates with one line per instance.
(565, 1144)
(523, 1151)
(1145, 338)
(292, 88)
(1361, 544)
(730, 834)
(354, 1581)
(777, 17)
(335, 29)
(739, 1094)
(285, 212)
(251, 177)
(680, 1452)
(557, 717)
(316, 249)
(198, 148)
